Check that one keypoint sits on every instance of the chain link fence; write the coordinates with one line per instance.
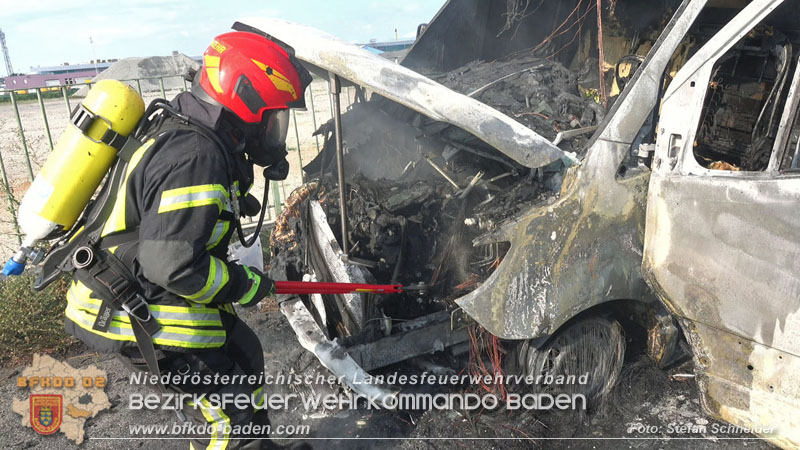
(31, 121)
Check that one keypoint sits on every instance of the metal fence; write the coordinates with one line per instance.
(15, 179)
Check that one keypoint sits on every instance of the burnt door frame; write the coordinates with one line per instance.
(722, 252)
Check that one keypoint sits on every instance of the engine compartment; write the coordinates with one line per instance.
(419, 192)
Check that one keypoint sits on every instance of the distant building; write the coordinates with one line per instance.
(389, 46)
(391, 50)
(67, 74)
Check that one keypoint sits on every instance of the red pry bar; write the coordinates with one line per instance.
(307, 287)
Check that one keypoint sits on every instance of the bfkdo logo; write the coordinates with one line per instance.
(46, 413)
(58, 398)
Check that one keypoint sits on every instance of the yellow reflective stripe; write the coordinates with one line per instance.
(194, 189)
(79, 295)
(220, 229)
(217, 278)
(116, 221)
(74, 316)
(83, 293)
(193, 196)
(167, 330)
(221, 425)
(212, 71)
(172, 336)
(278, 79)
(258, 396)
(165, 315)
(192, 314)
(81, 290)
(228, 307)
(255, 281)
(239, 188)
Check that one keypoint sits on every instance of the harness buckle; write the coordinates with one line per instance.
(134, 304)
(83, 119)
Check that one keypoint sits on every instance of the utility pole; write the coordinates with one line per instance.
(94, 55)
(9, 69)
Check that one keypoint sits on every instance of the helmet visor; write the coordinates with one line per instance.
(277, 128)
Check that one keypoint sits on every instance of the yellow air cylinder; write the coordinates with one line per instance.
(79, 161)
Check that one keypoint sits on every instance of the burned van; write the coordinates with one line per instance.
(541, 182)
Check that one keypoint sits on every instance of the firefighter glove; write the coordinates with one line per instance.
(259, 286)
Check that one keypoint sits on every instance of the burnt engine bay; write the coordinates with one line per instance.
(419, 191)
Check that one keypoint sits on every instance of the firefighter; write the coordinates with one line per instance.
(179, 199)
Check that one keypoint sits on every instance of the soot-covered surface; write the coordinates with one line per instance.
(543, 95)
(647, 409)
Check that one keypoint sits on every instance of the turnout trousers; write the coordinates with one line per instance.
(241, 356)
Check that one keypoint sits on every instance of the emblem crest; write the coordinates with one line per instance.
(46, 413)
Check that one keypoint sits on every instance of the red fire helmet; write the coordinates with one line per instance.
(248, 74)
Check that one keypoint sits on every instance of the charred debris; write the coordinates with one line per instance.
(419, 192)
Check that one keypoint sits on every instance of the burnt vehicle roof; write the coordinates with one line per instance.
(408, 88)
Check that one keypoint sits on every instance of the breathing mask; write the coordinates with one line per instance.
(265, 142)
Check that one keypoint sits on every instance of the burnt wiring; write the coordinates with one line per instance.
(560, 30)
(601, 59)
(484, 345)
(516, 12)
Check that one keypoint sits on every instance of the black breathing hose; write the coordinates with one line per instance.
(254, 237)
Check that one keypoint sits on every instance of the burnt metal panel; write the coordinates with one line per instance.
(414, 91)
(585, 248)
(748, 384)
(330, 354)
(718, 247)
(431, 334)
(581, 251)
(453, 38)
(351, 306)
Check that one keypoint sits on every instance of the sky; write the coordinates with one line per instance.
(52, 32)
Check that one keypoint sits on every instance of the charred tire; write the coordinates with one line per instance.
(594, 345)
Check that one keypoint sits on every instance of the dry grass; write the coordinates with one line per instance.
(30, 321)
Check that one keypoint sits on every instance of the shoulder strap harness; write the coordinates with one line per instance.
(84, 253)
